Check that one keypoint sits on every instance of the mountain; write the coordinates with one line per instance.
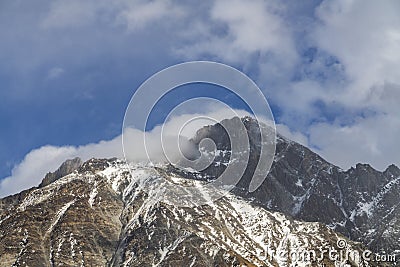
(361, 203)
(101, 215)
(105, 212)
(66, 168)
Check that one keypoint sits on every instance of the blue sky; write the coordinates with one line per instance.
(329, 69)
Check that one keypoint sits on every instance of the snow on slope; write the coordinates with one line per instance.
(111, 213)
(229, 224)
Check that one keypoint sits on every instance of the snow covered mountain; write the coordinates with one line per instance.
(99, 215)
(361, 203)
(109, 213)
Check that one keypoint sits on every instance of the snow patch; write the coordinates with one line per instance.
(93, 194)
(59, 215)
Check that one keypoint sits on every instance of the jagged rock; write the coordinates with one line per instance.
(101, 215)
(104, 216)
(66, 168)
(361, 202)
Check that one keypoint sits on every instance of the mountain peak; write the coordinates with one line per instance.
(105, 217)
(66, 168)
(361, 203)
(364, 168)
(392, 170)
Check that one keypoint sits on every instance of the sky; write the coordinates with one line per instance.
(329, 69)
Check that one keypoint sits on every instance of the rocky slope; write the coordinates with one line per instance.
(361, 203)
(107, 213)
(66, 168)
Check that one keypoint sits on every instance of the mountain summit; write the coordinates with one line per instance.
(361, 203)
(110, 213)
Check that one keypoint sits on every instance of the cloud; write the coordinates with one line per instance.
(74, 13)
(343, 95)
(132, 14)
(162, 142)
(253, 26)
(136, 15)
(365, 37)
(40, 161)
(329, 69)
(371, 140)
(296, 136)
(235, 30)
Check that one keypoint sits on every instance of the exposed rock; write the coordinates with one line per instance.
(104, 217)
(361, 203)
(66, 168)
(98, 214)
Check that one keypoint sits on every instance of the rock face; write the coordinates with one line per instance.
(66, 168)
(53, 224)
(361, 203)
(109, 214)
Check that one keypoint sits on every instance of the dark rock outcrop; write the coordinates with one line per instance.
(361, 203)
(106, 213)
(102, 215)
(66, 168)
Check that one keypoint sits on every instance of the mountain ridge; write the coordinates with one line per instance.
(360, 203)
(304, 185)
(98, 215)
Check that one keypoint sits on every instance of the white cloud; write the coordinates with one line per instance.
(73, 13)
(39, 161)
(296, 100)
(139, 14)
(134, 14)
(253, 25)
(296, 136)
(373, 140)
(162, 141)
(258, 37)
(349, 109)
(234, 30)
(365, 36)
